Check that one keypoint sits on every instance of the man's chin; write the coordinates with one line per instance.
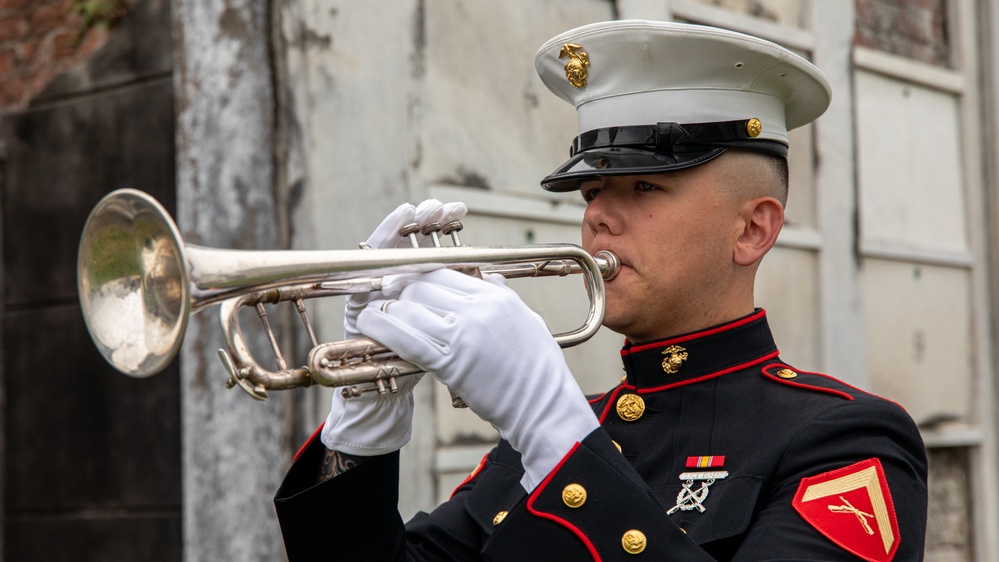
(616, 325)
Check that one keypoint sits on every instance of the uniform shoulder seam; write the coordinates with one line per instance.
(774, 372)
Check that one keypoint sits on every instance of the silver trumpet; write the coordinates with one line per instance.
(139, 283)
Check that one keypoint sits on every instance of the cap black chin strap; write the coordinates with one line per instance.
(664, 137)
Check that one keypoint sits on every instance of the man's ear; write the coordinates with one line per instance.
(761, 221)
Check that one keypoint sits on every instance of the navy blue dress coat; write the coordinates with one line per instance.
(710, 448)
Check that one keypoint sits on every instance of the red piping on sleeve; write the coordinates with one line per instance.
(471, 476)
(575, 530)
(306, 444)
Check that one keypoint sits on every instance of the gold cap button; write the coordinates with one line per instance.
(630, 407)
(574, 495)
(754, 127)
(633, 541)
(786, 374)
(499, 517)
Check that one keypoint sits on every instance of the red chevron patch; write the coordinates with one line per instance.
(852, 507)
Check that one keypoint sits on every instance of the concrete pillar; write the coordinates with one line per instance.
(843, 348)
(355, 110)
(233, 458)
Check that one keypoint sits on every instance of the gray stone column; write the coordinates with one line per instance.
(233, 455)
(843, 347)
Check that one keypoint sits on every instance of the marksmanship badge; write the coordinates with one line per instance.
(690, 499)
(575, 68)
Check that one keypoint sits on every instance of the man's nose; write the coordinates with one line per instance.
(602, 216)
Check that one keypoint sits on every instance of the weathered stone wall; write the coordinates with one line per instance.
(918, 30)
(948, 533)
(92, 460)
(791, 13)
(235, 450)
(913, 29)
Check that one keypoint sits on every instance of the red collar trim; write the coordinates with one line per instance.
(694, 335)
(612, 399)
(713, 375)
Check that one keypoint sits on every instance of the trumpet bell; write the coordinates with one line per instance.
(132, 277)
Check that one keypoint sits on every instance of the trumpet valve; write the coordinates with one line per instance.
(451, 229)
(392, 387)
(433, 230)
(410, 231)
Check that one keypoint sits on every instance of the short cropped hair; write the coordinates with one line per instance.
(750, 174)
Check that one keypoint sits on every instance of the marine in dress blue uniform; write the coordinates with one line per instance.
(710, 447)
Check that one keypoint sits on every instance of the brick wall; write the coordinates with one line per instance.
(41, 38)
(916, 29)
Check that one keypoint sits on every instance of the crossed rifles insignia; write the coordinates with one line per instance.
(852, 506)
(690, 499)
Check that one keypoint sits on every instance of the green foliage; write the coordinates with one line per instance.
(94, 13)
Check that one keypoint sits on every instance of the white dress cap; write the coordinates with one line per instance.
(632, 75)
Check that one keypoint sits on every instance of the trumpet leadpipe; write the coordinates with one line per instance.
(606, 262)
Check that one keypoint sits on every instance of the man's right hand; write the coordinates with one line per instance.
(387, 236)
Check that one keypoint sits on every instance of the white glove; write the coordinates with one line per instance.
(387, 236)
(487, 346)
(373, 424)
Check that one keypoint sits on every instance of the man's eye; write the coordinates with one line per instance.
(645, 186)
(590, 194)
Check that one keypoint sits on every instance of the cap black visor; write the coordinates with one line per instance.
(653, 149)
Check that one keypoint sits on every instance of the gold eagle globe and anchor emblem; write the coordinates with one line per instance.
(575, 67)
(674, 358)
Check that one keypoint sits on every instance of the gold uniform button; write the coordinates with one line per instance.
(618, 445)
(630, 407)
(786, 374)
(499, 518)
(633, 541)
(574, 495)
